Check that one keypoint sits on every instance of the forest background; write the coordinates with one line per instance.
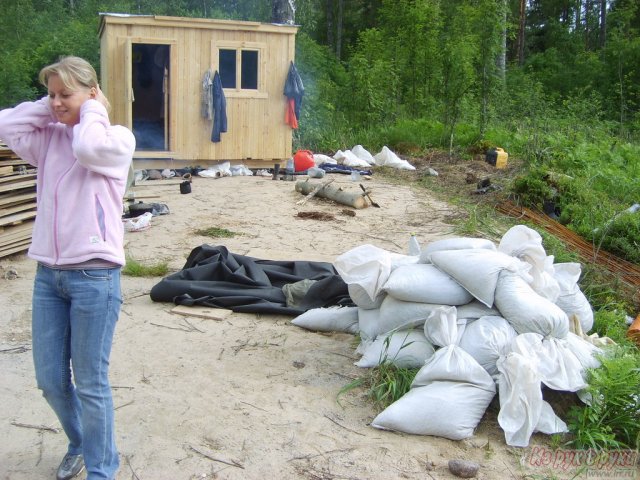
(556, 83)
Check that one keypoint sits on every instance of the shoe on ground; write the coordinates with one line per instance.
(70, 466)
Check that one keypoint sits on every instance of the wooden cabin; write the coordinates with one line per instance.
(152, 71)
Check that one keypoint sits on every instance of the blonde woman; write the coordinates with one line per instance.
(82, 165)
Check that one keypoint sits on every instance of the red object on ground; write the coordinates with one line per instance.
(303, 160)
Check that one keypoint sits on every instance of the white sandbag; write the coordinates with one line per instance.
(449, 394)
(525, 244)
(320, 158)
(389, 159)
(362, 299)
(402, 348)
(526, 310)
(369, 323)
(586, 352)
(476, 269)
(474, 310)
(557, 365)
(394, 314)
(456, 243)
(363, 154)
(367, 266)
(522, 409)
(571, 299)
(487, 339)
(443, 409)
(349, 159)
(427, 284)
(329, 319)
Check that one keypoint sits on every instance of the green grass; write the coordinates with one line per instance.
(216, 232)
(134, 268)
(612, 420)
(384, 384)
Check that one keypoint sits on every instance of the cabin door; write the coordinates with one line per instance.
(149, 69)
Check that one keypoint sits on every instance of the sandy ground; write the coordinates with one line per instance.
(249, 396)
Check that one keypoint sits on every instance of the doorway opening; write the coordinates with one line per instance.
(150, 83)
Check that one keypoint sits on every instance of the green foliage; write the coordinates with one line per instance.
(611, 419)
(134, 268)
(216, 232)
(610, 321)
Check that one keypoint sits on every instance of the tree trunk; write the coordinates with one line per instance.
(329, 14)
(587, 12)
(603, 23)
(283, 12)
(522, 23)
(339, 29)
(502, 56)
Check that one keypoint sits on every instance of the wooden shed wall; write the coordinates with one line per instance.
(256, 127)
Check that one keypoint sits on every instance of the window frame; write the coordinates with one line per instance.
(239, 46)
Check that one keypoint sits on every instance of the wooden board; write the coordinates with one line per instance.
(22, 231)
(16, 218)
(202, 312)
(18, 185)
(15, 248)
(7, 199)
(21, 207)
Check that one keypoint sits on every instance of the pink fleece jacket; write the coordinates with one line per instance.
(82, 175)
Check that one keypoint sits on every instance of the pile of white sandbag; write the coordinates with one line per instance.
(476, 319)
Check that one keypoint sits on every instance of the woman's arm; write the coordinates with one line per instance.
(23, 129)
(99, 146)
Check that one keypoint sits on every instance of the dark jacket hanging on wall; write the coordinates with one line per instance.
(294, 90)
(219, 108)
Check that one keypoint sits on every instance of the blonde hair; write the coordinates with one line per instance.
(74, 72)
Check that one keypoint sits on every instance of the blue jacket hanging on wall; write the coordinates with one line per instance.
(294, 90)
(219, 108)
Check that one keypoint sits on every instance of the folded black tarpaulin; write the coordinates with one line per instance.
(214, 277)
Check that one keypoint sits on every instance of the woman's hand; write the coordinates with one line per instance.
(99, 96)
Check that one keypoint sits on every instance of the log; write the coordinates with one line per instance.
(315, 191)
(352, 199)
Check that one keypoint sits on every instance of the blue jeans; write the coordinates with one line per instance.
(74, 317)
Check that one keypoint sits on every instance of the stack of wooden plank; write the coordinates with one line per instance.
(17, 202)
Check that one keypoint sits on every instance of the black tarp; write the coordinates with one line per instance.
(215, 277)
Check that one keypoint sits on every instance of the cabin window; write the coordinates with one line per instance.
(238, 63)
(241, 68)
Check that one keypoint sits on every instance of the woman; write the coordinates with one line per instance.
(77, 240)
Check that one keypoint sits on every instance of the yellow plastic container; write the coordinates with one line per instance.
(502, 158)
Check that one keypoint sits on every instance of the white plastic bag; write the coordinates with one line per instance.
(389, 159)
(363, 154)
(139, 223)
(216, 171)
(320, 158)
(349, 159)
